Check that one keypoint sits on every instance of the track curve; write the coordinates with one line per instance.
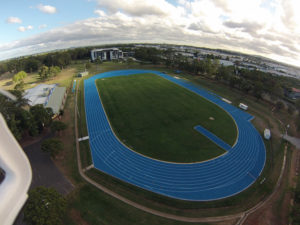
(214, 179)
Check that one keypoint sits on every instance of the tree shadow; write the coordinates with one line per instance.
(8, 83)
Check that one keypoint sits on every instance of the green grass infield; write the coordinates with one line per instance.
(156, 118)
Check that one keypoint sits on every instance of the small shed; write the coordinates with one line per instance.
(243, 106)
(267, 134)
(83, 74)
(57, 99)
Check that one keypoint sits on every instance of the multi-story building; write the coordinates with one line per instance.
(106, 54)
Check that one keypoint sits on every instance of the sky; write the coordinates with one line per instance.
(269, 28)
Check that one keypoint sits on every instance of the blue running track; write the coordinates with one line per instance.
(213, 137)
(74, 86)
(214, 179)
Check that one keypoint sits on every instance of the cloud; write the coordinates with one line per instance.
(23, 29)
(47, 9)
(247, 26)
(100, 12)
(137, 7)
(42, 26)
(13, 20)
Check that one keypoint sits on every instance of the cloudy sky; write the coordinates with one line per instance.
(269, 28)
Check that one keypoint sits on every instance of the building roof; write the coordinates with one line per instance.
(105, 49)
(56, 99)
(39, 94)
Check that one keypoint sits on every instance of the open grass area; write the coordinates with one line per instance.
(156, 117)
(95, 207)
(64, 79)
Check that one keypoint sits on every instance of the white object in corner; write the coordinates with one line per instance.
(18, 175)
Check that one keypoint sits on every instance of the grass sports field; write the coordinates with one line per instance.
(156, 118)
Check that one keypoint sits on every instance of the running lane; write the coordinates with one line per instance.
(214, 179)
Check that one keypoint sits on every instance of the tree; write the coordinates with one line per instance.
(245, 86)
(58, 126)
(279, 105)
(208, 67)
(297, 104)
(42, 116)
(19, 76)
(45, 206)
(32, 65)
(129, 61)
(298, 124)
(88, 65)
(291, 109)
(13, 126)
(258, 90)
(53, 71)
(215, 66)
(52, 146)
(44, 72)
(20, 86)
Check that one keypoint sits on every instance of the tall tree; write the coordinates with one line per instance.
(45, 206)
(258, 89)
(32, 65)
(53, 71)
(44, 73)
(19, 76)
(52, 146)
(58, 126)
(42, 116)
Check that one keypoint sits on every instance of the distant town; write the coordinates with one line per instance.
(229, 58)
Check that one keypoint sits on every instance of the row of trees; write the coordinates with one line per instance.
(61, 59)
(152, 55)
(249, 81)
(22, 121)
(34, 63)
(44, 73)
(48, 72)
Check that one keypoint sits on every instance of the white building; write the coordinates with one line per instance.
(267, 134)
(106, 54)
(83, 74)
(226, 62)
(243, 106)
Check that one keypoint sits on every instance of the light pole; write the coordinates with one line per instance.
(286, 130)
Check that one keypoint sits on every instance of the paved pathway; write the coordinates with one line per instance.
(293, 140)
(44, 173)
